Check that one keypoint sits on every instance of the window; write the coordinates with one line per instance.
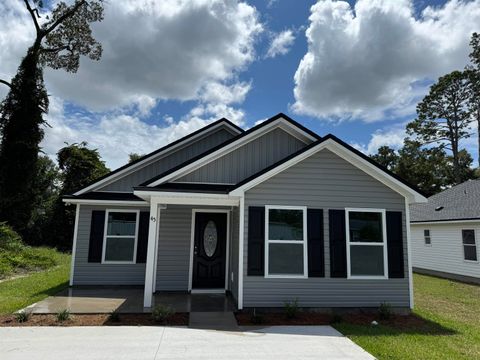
(121, 233)
(286, 244)
(426, 237)
(366, 243)
(469, 245)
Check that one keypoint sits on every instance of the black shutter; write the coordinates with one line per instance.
(395, 244)
(316, 263)
(95, 245)
(142, 243)
(256, 241)
(338, 244)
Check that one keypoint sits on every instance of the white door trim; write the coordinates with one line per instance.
(227, 249)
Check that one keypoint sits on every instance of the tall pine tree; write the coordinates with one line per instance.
(60, 40)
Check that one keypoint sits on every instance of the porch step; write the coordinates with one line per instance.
(213, 321)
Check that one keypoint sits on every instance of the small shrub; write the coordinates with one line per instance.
(256, 318)
(22, 316)
(385, 311)
(63, 315)
(291, 309)
(336, 319)
(9, 239)
(114, 316)
(161, 313)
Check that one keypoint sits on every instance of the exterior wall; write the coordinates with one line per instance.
(169, 161)
(445, 254)
(248, 159)
(325, 181)
(173, 257)
(86, 273)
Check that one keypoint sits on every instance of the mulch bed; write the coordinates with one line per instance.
(179, 319)
(314, 318)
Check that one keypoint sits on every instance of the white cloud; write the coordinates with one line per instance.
(153, 50)
(280, 43)
(169, 49)
(116, 135)
(374, 59)
(392, 138)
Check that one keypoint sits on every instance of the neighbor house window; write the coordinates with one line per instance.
(426, 237)
(469, 245)
(286, 244)
(121, 232)
(366, 243)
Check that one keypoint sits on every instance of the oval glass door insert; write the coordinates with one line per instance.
(210, 238)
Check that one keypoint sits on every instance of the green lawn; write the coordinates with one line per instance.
(18, 293)
(451, 331)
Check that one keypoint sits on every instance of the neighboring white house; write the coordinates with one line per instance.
(446, 233)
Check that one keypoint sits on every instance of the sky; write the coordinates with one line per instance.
(355, 69)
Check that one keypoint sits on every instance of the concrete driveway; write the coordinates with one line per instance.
(277, 342)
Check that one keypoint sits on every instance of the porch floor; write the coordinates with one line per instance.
(101, 300)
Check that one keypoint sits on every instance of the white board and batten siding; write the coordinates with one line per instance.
(325, 181)
(445, 252)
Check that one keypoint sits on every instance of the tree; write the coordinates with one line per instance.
(134, 157)
(59, 42)
(423, 167)
(473, 72)
(429, 168)
(386, 157)
(79, 167)
(47, 187)
(444, 116)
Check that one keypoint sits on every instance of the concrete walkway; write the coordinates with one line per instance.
(152, 343)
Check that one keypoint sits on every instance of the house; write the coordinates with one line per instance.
(268, 215)
(446, 232)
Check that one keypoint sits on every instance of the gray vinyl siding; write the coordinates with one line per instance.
(325, 181)
(174, 248)
(173, 261)
(86, 273)
(248, 159)
(169, 161)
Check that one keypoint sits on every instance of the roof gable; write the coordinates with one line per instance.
(344, 151)
(158, 154)
(279, 121)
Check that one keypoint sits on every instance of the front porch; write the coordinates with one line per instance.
(127, 300)
(193, 246)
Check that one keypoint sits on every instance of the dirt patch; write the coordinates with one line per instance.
(179, 319)
(314, 318)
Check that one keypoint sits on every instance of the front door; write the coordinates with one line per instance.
(209, 250)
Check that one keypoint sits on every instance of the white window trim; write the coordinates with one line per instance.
(384, 244)
(304, 243)
(475, 245)
(429, 237)
(137, 220)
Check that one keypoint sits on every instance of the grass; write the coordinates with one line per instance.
(17, 293)
(24, 259)
(451, 311)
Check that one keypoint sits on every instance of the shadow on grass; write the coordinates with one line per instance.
(398, 325)
(54, 290)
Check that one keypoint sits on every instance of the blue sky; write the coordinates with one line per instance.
(354, 69)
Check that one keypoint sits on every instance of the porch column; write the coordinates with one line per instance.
(150, 263)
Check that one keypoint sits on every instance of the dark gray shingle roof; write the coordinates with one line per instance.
(460, 202)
